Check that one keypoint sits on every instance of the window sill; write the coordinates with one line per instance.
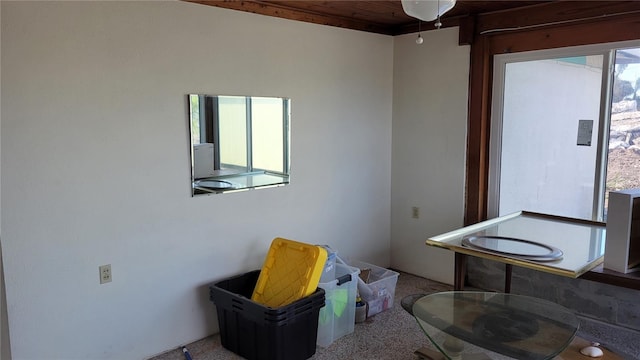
(606, 276)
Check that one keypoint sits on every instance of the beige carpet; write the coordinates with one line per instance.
(391, 334)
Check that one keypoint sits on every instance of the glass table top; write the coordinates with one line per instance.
(499, 326)
(558, 245)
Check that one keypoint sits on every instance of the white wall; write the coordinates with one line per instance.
(542, 168)
(95, 166)
(430, 86)
(5, 349)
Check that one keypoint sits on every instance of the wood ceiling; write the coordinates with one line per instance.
(376, 16)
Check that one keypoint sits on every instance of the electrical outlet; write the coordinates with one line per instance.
(105, 273)
(415, 212)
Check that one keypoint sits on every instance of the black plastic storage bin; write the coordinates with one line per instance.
(258, 332)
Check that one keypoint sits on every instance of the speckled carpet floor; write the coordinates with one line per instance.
(391, 334)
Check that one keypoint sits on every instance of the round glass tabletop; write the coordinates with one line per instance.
(513, 326)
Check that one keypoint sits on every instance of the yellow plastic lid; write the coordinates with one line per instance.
(291, 271)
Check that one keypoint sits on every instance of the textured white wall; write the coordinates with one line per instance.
(430, 86)
(5, 349)
(95, 165)
(542, 168)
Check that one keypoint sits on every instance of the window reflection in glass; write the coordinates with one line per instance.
(240, 142)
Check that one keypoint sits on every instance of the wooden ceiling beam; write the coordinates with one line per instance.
(305, 15)
(475, 17)
(558, 13)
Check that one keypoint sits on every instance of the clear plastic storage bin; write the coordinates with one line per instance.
(380, 290)
(337, 317)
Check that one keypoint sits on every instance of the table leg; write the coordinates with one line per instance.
(508, 269)
(453, 347)
(425, 353)
(460, 271)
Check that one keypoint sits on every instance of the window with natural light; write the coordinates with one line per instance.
(567, 131)
(623, 159)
